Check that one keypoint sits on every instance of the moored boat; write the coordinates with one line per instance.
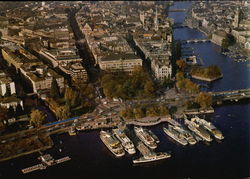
(145, 137)
(186, 134)
(198, 130)
(153, 135)
(156, 157)
(148, 155)
(112, 143)
(125, 141)
(174, 134)
(209, 126)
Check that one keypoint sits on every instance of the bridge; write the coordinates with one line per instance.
(178, 25)
(195, 41)
(177, 10)
(231, 95)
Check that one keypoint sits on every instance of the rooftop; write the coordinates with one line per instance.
(120, 56)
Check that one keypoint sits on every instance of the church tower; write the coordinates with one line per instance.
(142, 18)
(156, 20)
(236, 18)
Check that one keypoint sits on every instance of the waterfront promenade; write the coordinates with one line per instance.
(94, 121)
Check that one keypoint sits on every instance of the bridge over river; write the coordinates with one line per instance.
(179, 25)
(177, 10)
(195, 41)
(231, 95)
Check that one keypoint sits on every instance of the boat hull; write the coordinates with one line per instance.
(143, 160)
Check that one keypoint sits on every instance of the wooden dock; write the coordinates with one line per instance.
(43, 166)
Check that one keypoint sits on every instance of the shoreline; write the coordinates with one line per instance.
(46, 145)
(206, 79)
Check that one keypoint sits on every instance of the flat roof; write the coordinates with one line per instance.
(120, 56)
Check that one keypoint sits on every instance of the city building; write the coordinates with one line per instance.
(7, 86)
(36, 73)
(76, 71)
(120, 61)
(13, 101)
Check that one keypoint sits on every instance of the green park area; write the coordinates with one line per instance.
(126, 86)
(144, 111)
(209, 73)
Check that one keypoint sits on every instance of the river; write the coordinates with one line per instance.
(228, 158)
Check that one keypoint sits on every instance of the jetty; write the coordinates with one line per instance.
(47, 160)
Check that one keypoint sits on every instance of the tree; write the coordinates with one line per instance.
(213, 71)
(225, 43)
(204, 99)
(181, 64)
(63, 112)
(191, 104)
(228, 41)
(191, 87)
(179, 76)
(54, 90)
(37, 117)
(139, 113)
(124, 114)
(149, 88)
(86, 104)
(120, 84)
(152, 112)
(180, 84)
(130, 113)
(70, 96)
(167, 82)
(163, 110)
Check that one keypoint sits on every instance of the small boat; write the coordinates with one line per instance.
(72, 131)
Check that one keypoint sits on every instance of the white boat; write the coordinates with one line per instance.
(125, 141)
(186, 134)
(209, 126)
(145, 137)
(148, 155)
(174, 134)
(198, 130)
(112, 143)
(156, 157)
(153, 135)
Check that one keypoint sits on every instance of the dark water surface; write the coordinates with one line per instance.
(226, 159)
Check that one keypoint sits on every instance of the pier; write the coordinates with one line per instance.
(34, 168)
(178, 25)
(45, 164)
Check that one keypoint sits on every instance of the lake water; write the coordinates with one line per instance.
(226, 159)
